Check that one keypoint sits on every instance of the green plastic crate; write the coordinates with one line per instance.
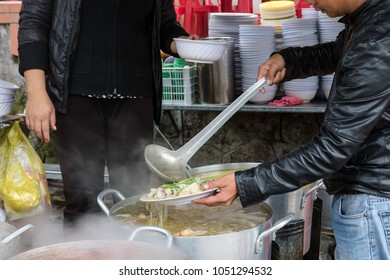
(179, 85)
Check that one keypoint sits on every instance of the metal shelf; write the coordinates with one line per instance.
(315, 106)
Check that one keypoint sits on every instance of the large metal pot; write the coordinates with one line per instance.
(101, 250)
(299, 202)
(251, 243)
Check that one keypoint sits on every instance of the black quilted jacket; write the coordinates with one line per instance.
(52, 39)
(352, 151)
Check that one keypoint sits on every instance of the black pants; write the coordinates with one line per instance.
(98, 132)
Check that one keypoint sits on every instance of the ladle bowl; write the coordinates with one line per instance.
(167, 164)
(171, 165)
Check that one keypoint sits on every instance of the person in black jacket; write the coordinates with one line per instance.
(352, 151)
(93, 76)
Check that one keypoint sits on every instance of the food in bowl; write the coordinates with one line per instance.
(188, 186)
(202, 50)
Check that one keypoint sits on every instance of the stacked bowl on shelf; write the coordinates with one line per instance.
(299, 33)
(256, 45)
(329, 28)
(7, 97)
(309, 13)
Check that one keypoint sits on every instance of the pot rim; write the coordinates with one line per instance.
(100, 245)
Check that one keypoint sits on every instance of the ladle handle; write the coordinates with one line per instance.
(192, 146)
(165, 232)
(170, 146)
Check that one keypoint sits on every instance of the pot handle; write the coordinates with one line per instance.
(16, 233)
(101, 196)
(168, 234)
(278, 225)
(307, 194)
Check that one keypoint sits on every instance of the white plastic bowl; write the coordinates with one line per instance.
(6, 107)
(305, 95)
(268, 95)
(7, 88)
(7, 91)
(6, 97)
(202, 50)
(326, 90)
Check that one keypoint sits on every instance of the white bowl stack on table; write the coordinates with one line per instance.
(309, 13)
(7, 97)
(256, 45)
(305, 89)
(299, 33)
(329, 28)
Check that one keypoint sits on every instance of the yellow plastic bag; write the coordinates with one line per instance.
(23, 184)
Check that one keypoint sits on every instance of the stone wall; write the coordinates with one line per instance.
(8, 62)
(9, 16)
(246, 137)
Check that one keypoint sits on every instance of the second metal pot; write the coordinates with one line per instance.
(299, 202)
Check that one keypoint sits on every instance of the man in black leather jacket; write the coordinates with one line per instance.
(352, 151)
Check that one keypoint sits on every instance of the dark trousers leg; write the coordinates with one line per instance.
(93, 132)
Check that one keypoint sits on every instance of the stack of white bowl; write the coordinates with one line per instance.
(256, 43)
(227, 25)
(305, 89)
(309, 13)
(329, 29)
(7, 97)
(299, 33)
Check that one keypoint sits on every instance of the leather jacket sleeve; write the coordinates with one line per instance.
(170, 28)
(356, 113)
(33, 35)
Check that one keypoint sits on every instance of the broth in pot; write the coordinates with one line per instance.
(192, 219)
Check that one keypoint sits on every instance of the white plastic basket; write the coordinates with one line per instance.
(179, 85)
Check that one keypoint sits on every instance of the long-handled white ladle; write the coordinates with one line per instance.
(171, 165)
